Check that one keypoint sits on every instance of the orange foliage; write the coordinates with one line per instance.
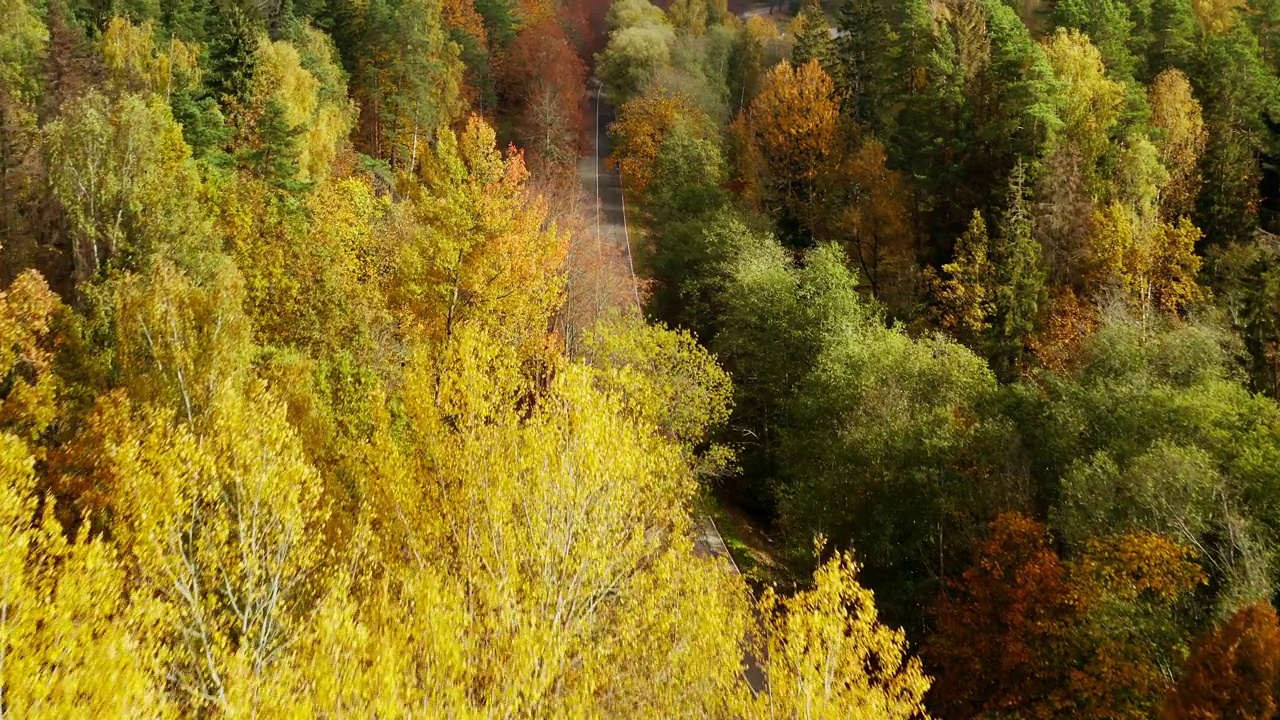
(1119, 678)
(584, 24)
(28, 313)
(535, 12)
(876, 227)
(640, 130)
(1067, 323)
(1002, 634)
(1138, 565)
(789, 135)
(462, 15)
(547, 80)
(1233, 671)
(1025, 633)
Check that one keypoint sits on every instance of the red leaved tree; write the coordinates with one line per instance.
(1030, 635)
(1005, 628)
(545, 80)
(1233, 671)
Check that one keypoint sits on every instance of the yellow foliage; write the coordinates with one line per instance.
(325, 121)
(1120, 253)
(826, 654)
(125, 178)
(1216, 15)
(789, 135)
(1135, 565)
(665, 377)
(1176, 112)
(23, 43)
(220, 528)
(965, 298)
(398, 654)
(180, 344)
(563, 533)
(66, 646)
(27, 343)
(642, 126)
(689, 16)
(475, 247)
(1089, 102)
(1155, 265)
(317, 286)
(1177, 266)
(136, 65)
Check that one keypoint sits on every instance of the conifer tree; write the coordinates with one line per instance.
(813, 39)
(964, 296)
(863, 50)
(1020, 291)
(233, 47)
(273, 155)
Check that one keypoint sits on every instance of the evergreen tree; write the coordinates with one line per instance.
(1173, 35)
(409, 80)
(1020, 280)
(501, 21)
(233, 47)
(931, 135)
(1109, 27)
(813, 39)
(964, 296)
(1011, 108)
(746, 69)
(273, 153)
(863, 49)
(1239, 95)
(1263, 18)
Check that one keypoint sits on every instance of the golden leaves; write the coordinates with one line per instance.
(324, 120)
(791, 142)
(827, 655)
(476, 248)
(1176, 112)
(642, 126)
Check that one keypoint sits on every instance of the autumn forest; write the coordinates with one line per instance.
(330, 387)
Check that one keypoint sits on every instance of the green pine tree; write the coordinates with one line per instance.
(1174, 31)
(1110, 28)
(233, 47)
(863, 50)
(813, 40)
(1021, 290)
(273, 155)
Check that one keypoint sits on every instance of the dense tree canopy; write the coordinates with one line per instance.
(328, 388)
(991, 280)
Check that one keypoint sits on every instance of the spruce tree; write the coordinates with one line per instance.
(233, 46)
(274, 153)
(813, 40)
(863, 50)
(1020, 293)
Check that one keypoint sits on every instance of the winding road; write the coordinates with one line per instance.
(605, 186)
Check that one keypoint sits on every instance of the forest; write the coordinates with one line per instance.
(322, 396)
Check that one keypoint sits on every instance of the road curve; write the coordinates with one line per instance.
(605, 186)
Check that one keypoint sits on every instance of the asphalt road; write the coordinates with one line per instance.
(605, 186)
(611, 227)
